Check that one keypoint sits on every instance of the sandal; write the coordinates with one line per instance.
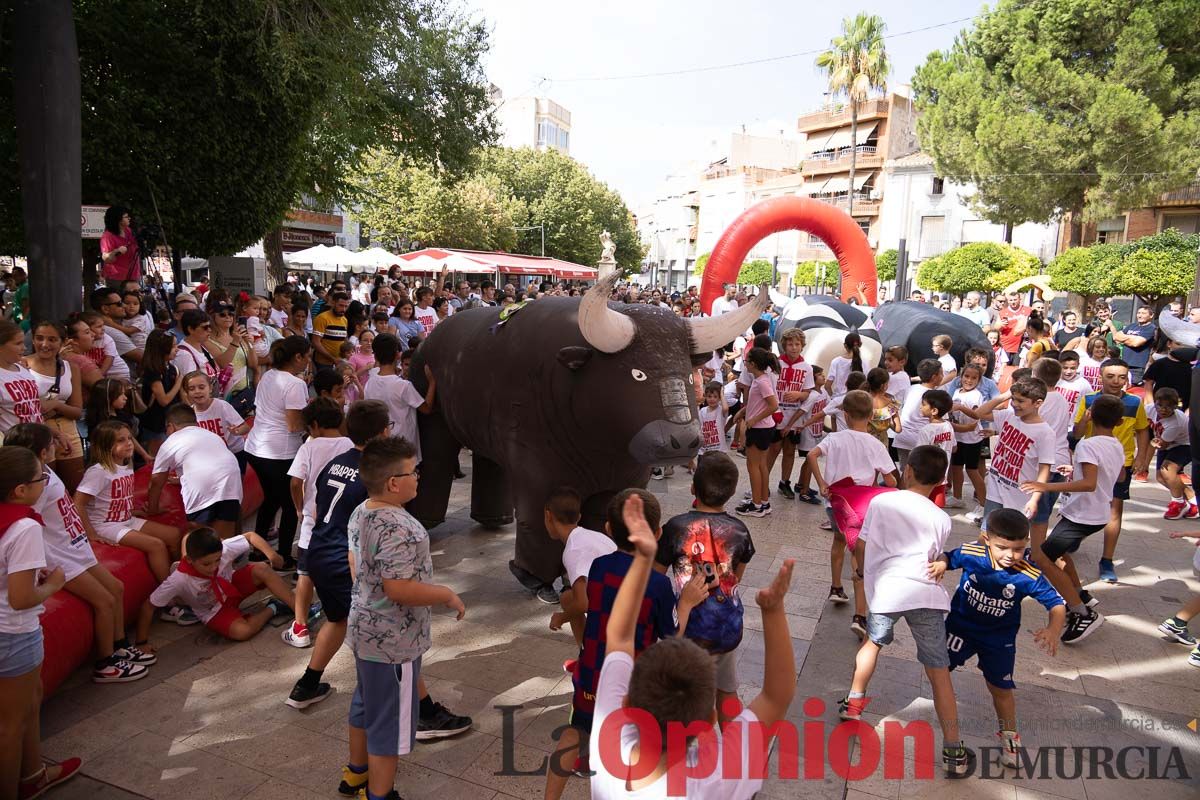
(40, 782)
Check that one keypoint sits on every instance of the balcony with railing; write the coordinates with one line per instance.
(1187, 196)
(830, 116)
(864, 204)
(868, 157)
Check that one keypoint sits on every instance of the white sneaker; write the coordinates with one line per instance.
(299, 639)
(955, 502)
(976, 516)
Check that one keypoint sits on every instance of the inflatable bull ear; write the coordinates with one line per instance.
(611, 331)
(1178, 330)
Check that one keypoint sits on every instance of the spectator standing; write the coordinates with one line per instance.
(118, 248)
(1068, 331)
(973, 311)
(1011, 320)
(1174, 371)
(330, 329)
(1137, 341)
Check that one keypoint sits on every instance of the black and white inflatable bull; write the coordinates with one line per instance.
(826, 321)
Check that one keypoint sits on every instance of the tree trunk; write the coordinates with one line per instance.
(1076, 223)
(46, 99)
(853, 153)
(273, 250)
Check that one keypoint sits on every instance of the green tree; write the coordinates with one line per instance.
(1054, 106)
(856, 64)
(1082, 270)
(886, 263)
(805, 274)
(557, 192)
(225, 115)
(701, 263)
(976, 267)
(1153, 274)
(404, 201)
(756, 272)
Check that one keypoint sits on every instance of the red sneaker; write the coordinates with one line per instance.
(1191, 511)
(51, 775)
(1141, 477)
(1175, 510)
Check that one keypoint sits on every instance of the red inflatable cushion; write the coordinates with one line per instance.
(849, 502)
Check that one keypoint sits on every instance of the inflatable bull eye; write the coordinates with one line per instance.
(832, 225)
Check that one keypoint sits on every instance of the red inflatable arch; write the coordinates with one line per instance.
(834, 227)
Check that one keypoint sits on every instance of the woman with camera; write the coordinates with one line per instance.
(119, 249)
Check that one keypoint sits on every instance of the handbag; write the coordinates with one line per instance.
(243, 399)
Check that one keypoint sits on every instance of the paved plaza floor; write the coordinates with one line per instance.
(210, 721)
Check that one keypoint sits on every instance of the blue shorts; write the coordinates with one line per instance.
(385, 705)
(220, 511)
(928, 628)
(997, 659)
(20, 653)
(333, 585)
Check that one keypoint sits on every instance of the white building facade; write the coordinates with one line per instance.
(933, 216)
(536, 122)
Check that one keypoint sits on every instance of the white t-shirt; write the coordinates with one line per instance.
(278, 392)
(722, 306)
(221, 419)
(898, 385)
(971, 399)
(20, 400)
(20, 550)
(121, 341)
(856, 455)
(948, 365)
(112, 493)
(1074, 392)
(833, 410)
(311, 458)
(212, 473)
(731, 391)
(796, 377)
(939, 434)
(613, 686)
(911, 421)
(712, 430)
(1089, 370)
(839, 370)
(118, 369)
(426, 316)
(1093, 508)
(66, 541)
(582, 547)
(402, 400)
(1172, 431)
(811, 435)
(904, 532)
(1056, 412)
(144, 324)
(196, 592)
(1017, 453)
(278, 317)
(190, 359)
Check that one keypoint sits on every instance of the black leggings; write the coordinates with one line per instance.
(277, 496)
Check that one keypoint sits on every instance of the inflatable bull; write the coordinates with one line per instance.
(561, 391)
(915, 324)
(825, 322)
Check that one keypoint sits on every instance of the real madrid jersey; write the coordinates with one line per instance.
(988, 600)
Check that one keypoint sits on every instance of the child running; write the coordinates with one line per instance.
(911, 420)
(67, 547)
(968, 440)
(903, 532)
(104, 500)
(857, 456)
(207, 583)
(795, 384)
(1085, 510)
(985, 613)
(1169, 426)
(935, 407)
(1176, 627)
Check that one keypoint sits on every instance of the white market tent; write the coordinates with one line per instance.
(375, 257)
(323, 258)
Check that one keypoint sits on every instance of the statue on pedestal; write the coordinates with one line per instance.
(607, 263)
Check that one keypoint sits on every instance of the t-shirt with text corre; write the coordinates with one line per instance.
(1018, 451)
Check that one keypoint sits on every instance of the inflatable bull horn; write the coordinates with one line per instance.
(1182, 332)
(611, 331)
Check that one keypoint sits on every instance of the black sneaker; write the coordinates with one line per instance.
(1080, 626)
(441, 724)
(302, 696)
(838, 595)
(745, 508)
(785, 489)
(547, 594)
(858, 624)
(809, 497)
(524, 577)
(956, 760)
(1087, 599)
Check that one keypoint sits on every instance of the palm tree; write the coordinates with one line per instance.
(856, 64)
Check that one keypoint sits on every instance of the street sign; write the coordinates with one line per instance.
(91, 220)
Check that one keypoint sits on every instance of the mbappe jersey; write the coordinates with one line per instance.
(988, 601)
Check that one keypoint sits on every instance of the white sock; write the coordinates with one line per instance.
(1178, 500)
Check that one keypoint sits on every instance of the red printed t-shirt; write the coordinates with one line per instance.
(1017, 453)
(1011, 342)
(794, 376)
(20, 400)
(126, 266)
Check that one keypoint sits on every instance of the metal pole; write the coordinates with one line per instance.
(542, 228)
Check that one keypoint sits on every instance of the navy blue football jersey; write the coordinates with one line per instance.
(988, 600)
(339, 492)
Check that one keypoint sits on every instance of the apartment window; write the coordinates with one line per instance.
(933, 236)
(1186, 224)
(1110, 231)
(939, 185)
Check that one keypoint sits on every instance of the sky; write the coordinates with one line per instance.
(632, 133)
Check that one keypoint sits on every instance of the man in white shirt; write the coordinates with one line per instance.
(108, 303)
(723, 305)
(972, 310)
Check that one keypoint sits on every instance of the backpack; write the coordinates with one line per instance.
(715, 624)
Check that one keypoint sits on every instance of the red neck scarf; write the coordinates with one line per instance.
(12, 513)
(222, 589)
